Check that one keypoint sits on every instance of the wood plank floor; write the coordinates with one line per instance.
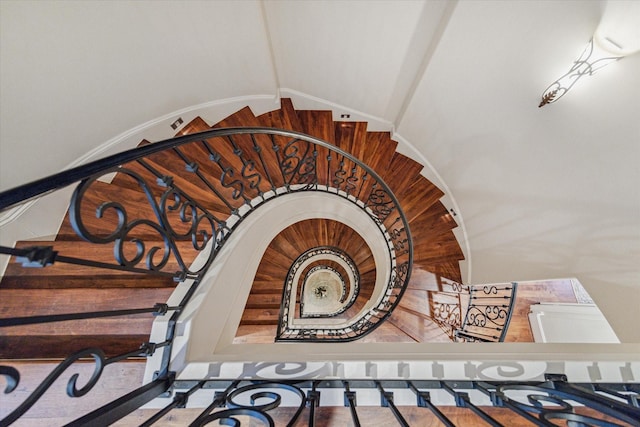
(529, 293)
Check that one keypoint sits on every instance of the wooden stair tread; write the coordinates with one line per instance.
(419, 197)
(64, 275)
(194, 126)
(422, 279)
(377, 151)
(268, 288)
(29, 302)
(440, 249)
(350, 135)
(260, 316)
(285, 117)
(435, 221)
(61, 346)
(401, 173)
(415, 300)
(241, 118)
(318, 123)
(268, 301)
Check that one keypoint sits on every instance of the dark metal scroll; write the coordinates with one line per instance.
(318, 253)
(173, 208)
(182, 226)
(321, 292)
(447, 315)
(488, 314)
(12, 376)
(538, 403)
(100, 360)
(254, 410)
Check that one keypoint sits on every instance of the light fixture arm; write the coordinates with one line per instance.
(592, 59)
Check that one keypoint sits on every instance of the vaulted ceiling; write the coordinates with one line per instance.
(542, 193)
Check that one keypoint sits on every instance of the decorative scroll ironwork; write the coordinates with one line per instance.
(100, 361)
(538, 403)
(297, 161)
(185, 215)
(322, 291)
(448, 316)
(287, 313)
(319, 253)
(380, 203)
(488, 314)
(455, 286)
(174, 208)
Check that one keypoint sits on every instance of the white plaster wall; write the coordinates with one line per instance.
(74, 74)
(549, 192)
(545, 193)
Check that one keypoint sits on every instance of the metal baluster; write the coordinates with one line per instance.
(386, 401)
(193, 167)
(258, 150)
(179, 401)
(363, 181)
(247, 165)
(350, 401)
(219, 400)
(463, 401)
(424, 401)
(313, 401)
(328, 182)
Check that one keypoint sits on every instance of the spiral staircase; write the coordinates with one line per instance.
(163, 213)
(73, 288)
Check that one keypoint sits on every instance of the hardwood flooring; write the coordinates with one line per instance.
(530, 293)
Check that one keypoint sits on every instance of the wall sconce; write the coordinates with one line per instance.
(617, 36)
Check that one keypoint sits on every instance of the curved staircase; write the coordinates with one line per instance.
(66, 288)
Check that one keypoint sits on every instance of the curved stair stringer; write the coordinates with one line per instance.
(209, 323)
(447, 199)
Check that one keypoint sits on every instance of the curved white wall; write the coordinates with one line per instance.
(545, 193)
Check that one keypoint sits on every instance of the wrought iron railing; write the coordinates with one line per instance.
(415, 402)
(240, 169)
(286, 330)
(488, 314)
(454, 403)
(321, 259)
(179, 216)
(445, 312)
(193, 192)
